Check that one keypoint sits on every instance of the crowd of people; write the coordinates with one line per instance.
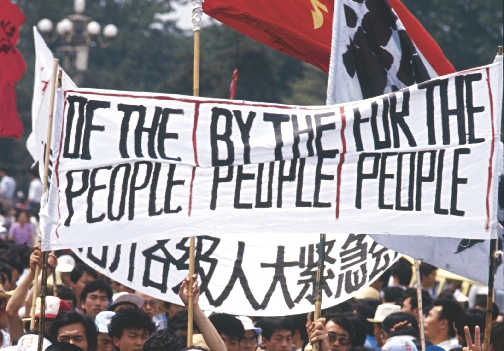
(85, 311)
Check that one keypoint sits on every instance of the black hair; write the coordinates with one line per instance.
(299, 321)
(14, 261)
(403, 271)
(270, 324)
(130, 318)
(481, 301)
(165, 340)
(63, 346)
(392, 319)
(227, 325)
(470, 317)
(450, 310)
(392, 294)
(412, 295)
(343, 322)
(96, 285)
(72, 317)
(79, 270)
(67, 293)
(6, 270)
(179, 321)
(367, 308)
(497, 336)
(426, 269)
(345, 306)
(359, 327)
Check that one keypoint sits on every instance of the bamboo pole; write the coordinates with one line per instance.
(420, 304)
(44, 185)
(45, 256)
(489, 307)
(319, 284)
(196, 20)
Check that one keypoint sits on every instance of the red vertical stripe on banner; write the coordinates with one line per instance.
(189, 210)
(196, 116)
(342, 160)
(490, 162)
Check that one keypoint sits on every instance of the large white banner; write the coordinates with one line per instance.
(137, 166)
(256, 275)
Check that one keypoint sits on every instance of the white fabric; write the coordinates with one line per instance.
(197, 12)
(143, 187)
(259, 275)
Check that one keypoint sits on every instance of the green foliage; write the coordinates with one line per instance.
(159, 58)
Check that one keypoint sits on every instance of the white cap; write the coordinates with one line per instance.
(248, 324)
(383, 311)
(65, 263)
(29, 342)
(102, 321)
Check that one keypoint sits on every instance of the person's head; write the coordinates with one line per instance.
(126, 300)
(80, 276)
(32, 174)
(382, 281)
(130, 328)
(251, 337)
(440, 320)
(402, 272)
(22, 217)
(367, 308)
(102, 322)
(178, 323)
(3, 172)
(229, 328)
(410, 328)
(470, 317)
(359, 328)
(427, 274)
(382, 311)
(16, 264)
(165, 340)
(6, 276)
(399, 344)
(53, 306)
(75, 328)
(340, 332)
(410, 302)
(497, 337)
(392, 294)
(95, 297)
(172, 308)
(277, 333)
(63, 346)
(67, 294)
(150, 305)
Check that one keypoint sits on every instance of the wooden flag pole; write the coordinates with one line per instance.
(420, 303)
(45, 256)
(44, 186)
(490, 295)
(196, 20)
(319, 285)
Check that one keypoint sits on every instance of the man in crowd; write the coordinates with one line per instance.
(382, 311)
(151, 307)
(75, 328)
(102, 322)
(428, 278)
(439, 324)
(229, 328)
(79, 277)
(7, 189)
(277, 333)
(95, 297)
(129, 329)
(410, 302)
(402, 273)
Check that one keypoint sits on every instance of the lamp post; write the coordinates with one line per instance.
(79, 33)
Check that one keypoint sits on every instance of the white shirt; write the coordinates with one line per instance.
(7, 187)
(446, 345)
(35, 191)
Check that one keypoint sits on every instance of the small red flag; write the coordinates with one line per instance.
(12, 68)
(232, 87)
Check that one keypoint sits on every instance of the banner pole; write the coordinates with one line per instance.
(45, 256)
(490, 295)
(196, 20)
(44, 186)
(420, 303)
(319, 284)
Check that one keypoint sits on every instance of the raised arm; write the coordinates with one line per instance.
(212, 338)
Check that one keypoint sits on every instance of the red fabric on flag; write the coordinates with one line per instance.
(232, 86)
(422, 39)
(301, 29)
(288, 27)
(12, 68)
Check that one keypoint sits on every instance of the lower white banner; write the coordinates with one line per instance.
(255, 275)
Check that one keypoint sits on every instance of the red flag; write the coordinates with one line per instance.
(302, 29)
(12, 68)
(232, 87)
